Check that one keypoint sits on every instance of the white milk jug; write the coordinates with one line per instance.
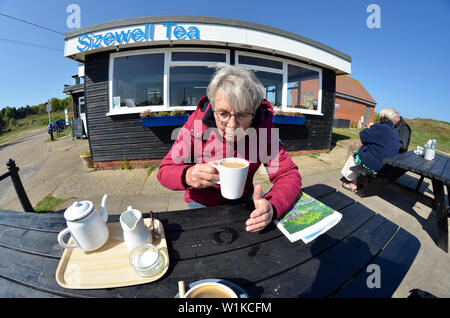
(135, 232)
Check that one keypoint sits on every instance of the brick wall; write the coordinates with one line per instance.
(352, 110)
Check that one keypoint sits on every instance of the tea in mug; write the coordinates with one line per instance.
(233, 164)
(210, 291)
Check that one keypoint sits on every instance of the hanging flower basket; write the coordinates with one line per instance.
(288, 120)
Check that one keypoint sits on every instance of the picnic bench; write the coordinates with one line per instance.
(437, 170)
(346, 261)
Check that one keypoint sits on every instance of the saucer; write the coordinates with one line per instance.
(241, 293)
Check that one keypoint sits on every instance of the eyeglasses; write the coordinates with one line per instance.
(239, 117)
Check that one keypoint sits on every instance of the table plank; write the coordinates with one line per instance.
(323, 274)
(337, 200)
(11, 289)
(439, 168)
(445, 176)
(37, 221)
(394, 262)
(318, 190)
(32, 241)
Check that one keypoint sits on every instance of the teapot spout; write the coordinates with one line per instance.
(103, 210)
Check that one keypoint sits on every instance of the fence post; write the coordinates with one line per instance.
(23, 198)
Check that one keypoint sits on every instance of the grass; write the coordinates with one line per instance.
(48, 204)
(150, 169)
(31, 122)
(425, 129)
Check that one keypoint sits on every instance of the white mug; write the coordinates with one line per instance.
(232, 180)
(215, 290)
(429, 154)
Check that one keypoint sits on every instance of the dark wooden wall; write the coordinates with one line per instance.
(114, 137)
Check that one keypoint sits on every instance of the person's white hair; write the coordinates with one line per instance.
(388, 114)
(239, 85)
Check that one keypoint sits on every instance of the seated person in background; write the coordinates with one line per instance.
(234, 104)
(403, 129)
(378, 142)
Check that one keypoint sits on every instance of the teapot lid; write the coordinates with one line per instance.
(78, 210)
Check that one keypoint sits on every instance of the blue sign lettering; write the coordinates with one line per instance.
(82, 41)
(194, 33)
(94, 41)
(179, 32)
(137, 35)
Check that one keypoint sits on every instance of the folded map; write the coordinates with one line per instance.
(307, 219)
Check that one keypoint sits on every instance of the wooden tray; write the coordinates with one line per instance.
(107, 266)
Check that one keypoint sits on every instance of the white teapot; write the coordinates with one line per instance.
(86, 225)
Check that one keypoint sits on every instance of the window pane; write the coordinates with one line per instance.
(250, 60)
(188, 84)
(303, 88)
(198, 56)
(138, 80)
(273, 84)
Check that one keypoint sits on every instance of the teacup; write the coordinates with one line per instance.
(233, 176)
(210, 290)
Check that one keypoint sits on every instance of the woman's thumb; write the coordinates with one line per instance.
(257, 192)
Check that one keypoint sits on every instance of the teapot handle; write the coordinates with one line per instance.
(103, 210)
(61, 241)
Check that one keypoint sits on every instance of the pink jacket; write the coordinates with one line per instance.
(199, 142)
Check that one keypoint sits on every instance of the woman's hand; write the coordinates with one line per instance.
(262, 214)
(201, 176)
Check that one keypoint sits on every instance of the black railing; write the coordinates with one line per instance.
(14, 174)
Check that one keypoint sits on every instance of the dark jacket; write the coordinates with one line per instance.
(379, 141)
(404, 133)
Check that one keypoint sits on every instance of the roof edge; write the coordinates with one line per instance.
(203, 19)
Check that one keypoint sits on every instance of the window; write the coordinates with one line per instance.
(188, 84)
(303, 86)
(273, 85)
(269, 72)
(198, 56)
(160, 80)
(138, 80)
(256, 61)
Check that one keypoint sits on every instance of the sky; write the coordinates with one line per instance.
(403, 64)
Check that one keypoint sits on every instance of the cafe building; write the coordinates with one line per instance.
(165, 63)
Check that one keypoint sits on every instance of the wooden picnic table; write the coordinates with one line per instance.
(438, 170)
(364, 255)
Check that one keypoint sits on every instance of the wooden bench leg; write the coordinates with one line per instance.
(441, 214)
(419, 184)
(371, 188)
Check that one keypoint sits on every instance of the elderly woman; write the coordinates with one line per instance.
(380, 141)
(233, 111)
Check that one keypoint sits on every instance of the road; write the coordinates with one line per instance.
(29, 154)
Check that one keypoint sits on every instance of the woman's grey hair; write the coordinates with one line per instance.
(239, 85)
(388, 114)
